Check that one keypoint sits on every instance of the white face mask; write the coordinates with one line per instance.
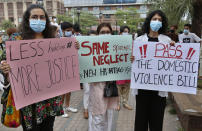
(54, 19)
(104, 34)
(125, 33)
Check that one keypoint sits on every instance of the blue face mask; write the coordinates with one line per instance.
(68, 33)
(37, 26)
(186, 31)
(155, 25)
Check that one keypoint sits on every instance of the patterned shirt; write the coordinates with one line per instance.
(43, 109)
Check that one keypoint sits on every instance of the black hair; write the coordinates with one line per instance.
(175, 26)
(53, 17)
(91, 32)
(54, 28)
(104, 25)
(66, 25)
(189, 25)
(123, 28)
(76, 27)
(146, 25)
(27, 32)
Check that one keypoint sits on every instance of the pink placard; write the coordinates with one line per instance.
(42, 69)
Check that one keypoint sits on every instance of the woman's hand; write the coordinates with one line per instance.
(172, 43)
(132, 58)
(5, 67)
(77, 46)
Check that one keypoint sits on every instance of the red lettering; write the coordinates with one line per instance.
(167, 51)
(178, 51)
(86, 46)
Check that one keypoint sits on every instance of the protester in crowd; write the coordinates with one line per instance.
(101, 109)
(172, 33)
(86, 87)
(67, 29)
(187, 36)
(39, 116)
(76, 29)
(10, 31)
(150, 105)
(54, 21)
(124, 85)
(56, 30)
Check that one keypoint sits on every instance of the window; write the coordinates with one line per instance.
(11, 19)
(107, 16)
(1, 10)
(143, 7)
(96, 9)
(19, 20)
(85, 9)
(10, 9)
(107, 8)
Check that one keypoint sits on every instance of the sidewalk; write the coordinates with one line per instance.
(125, 121)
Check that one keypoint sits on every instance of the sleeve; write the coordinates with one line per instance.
(196, 38)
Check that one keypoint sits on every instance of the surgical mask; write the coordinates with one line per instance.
(172, 31)
(155, 25)
(124, 33)
(55, 20)
(186, 31)
(37, 26)
(68, 33)
(104, 34)
(77, 34)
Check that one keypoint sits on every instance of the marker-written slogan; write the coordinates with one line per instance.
(105, 58)
(42, 69)
(162, 67)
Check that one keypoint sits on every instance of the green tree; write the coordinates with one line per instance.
(128, 17)
(6, 24)
(63, 18)
(175, 10)
(86, 20)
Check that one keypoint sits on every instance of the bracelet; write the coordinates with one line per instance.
(7, 85)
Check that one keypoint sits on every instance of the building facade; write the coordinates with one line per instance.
(105, 10)
(13, 9)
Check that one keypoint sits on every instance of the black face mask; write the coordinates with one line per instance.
(172, 31)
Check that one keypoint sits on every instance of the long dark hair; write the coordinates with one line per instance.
(146, 25)
(27, 32)
(104, 25)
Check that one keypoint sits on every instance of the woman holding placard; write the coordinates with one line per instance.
(101, 109)
(150, 105)
(39, 116)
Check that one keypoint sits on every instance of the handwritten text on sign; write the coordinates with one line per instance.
(159, 66)
(105, 58)
(42, 69)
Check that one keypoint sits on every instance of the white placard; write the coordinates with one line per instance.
(159, 66)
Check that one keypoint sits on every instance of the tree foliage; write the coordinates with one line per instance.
(86, 20)
(7, 24)
(179, 11)
(128, 17)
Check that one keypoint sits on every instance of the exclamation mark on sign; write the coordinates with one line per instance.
(192, 54)
(145, 50)
(189, 52)
(141, 51)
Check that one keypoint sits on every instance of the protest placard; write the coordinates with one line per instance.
(42, 69)
(105, 58)
(162, 67)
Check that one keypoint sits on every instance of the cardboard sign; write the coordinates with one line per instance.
(42, 69)
(161, 67)
(105, 58)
